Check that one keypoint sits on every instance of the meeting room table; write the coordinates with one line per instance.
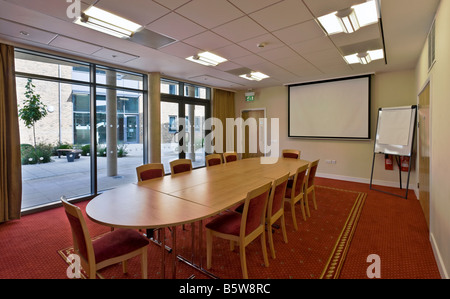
(185, 198)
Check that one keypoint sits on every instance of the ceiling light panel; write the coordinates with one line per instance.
(351, 19)
(207, 58)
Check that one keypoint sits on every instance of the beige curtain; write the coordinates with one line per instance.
(223, 108)
(10, 164)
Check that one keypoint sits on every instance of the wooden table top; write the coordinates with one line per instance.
(186, 197)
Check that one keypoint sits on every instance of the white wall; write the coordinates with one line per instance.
(439, 77)
(353, 158)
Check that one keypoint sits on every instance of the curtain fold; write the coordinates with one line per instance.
(10, 163)
(223, 108)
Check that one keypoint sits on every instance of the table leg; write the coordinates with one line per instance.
(163, 252)
(174, 249)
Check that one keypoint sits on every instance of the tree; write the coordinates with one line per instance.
(33, 109)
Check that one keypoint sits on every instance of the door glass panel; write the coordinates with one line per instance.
(119, 137)
(56, 153)
(169, 134)
(195, 134)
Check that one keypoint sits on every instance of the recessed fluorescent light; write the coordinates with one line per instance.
(365, 57)
(351, 19)
(254, 76)
(207, 58)
(106, 22)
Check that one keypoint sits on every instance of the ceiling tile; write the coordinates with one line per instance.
(300, 32)
(249, 6)
(207, 41)
(175, 26)
(25, 32)
(210, 13)
(240, 29)
(282, 14)
(180, 49)
(74, 45)
(249, 60)
(232, 51)
(278, 53)
(113, 55)
(363, 34)
(139, 11)
(313, 45)
(270, 42)
(172, 4)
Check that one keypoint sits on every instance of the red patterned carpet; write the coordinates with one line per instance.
(391, 227)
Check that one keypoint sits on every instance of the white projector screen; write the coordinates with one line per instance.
(330, 109)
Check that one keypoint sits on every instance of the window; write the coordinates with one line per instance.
(184, 109)
(79, 112)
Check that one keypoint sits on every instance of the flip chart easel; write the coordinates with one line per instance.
(395, 136)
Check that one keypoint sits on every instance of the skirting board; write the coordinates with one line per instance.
(366, 181)
(438, 258)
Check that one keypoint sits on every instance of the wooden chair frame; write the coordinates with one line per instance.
(293, 199)
(149, 166)
(243, 240)
(226, 155)
(291, 151)
(309, 184)
(88, 263)
(178, 162)
(213, 156)
(273, 216)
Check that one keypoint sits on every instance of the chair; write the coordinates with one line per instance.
(213, 159)
(309, 184)
(294, 193)
(112, 248)
(149, 171)
(180, 165)
(289, 153)
(275, 209)
(242, 228)
(229, 157)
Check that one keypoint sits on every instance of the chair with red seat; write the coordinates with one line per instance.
(242, 228)
(229, 157)
(290, 153)
(117, 246)
(180, 165)
(149, 171)
(309, 184)
(275, 209)
(295, 193)
(213, 159)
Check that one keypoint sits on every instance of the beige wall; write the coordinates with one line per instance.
(353, 158)
(439, 77)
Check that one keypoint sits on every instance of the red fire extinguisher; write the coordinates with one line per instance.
(388, 162)
(405, 163)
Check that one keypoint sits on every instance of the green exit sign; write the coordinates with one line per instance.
(249, 96)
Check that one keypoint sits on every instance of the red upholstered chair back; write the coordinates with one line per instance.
(255, 206)
(277, 194)
(312, 172)
(149, 171)
(81, 239)
(180, 165)
(213, 159)
(300, 181)
(294, 154)
(229, 157)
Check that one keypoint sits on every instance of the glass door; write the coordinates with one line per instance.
(183, 133)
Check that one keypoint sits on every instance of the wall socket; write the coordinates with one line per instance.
(330, 161)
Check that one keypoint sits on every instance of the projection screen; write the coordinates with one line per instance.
(332, 109)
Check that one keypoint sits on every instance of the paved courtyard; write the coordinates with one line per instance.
(46, 183)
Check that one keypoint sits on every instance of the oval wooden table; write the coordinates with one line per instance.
(185, 198)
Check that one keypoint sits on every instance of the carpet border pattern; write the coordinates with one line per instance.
(336, 260)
